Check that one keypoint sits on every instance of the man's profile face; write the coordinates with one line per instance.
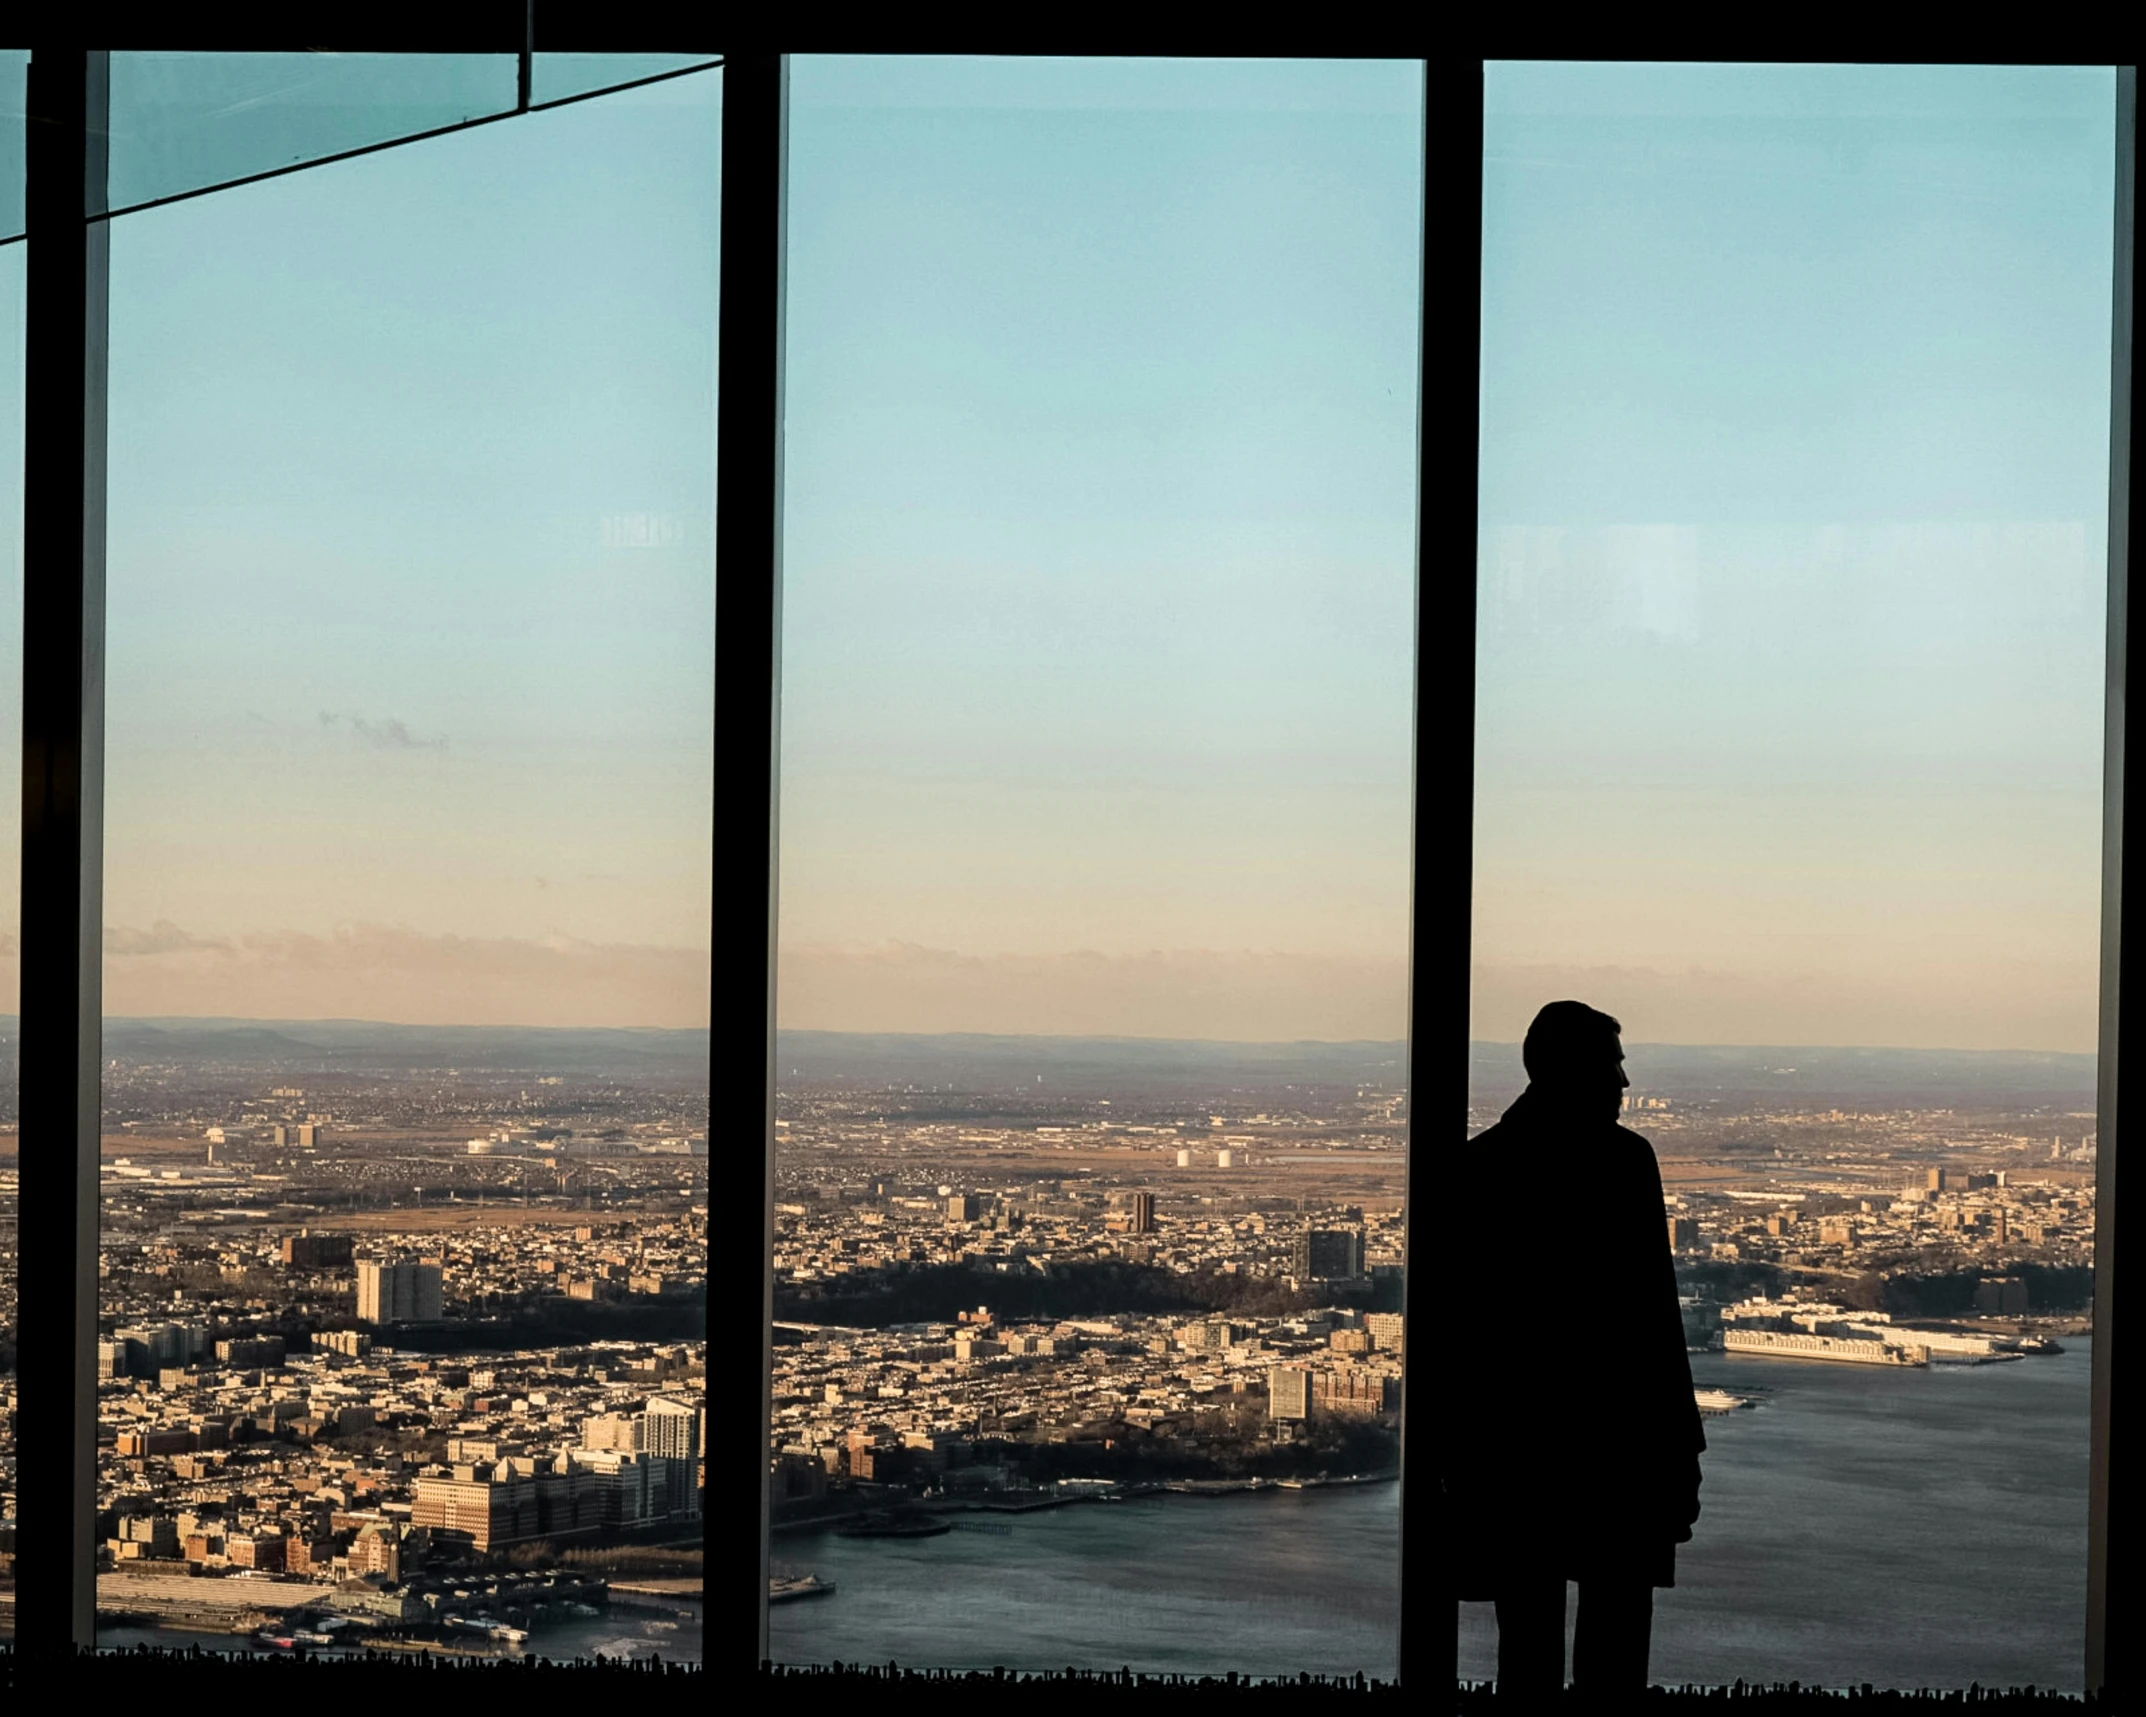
(1596, 1081)
(1618, 1082)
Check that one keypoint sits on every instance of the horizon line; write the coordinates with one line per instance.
(1400, 1043)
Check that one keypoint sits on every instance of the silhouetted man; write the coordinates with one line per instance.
(1567, 1438)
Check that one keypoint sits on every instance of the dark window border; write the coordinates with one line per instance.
(63, 558)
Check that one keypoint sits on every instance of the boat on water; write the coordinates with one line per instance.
(896, 1526)
(283, 1642)
(1720, 1401)
(307, 1637)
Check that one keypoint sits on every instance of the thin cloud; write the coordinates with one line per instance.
(378, 971)
(122, 942)
(386, 734)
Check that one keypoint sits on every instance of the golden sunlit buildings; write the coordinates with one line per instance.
(1288, 1393)
(398, 1293)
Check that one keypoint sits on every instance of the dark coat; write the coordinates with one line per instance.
(1564, 1432)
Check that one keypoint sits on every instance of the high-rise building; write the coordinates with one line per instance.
(1328, 1255)
(1683, 1232)
(1388, 1329)
(634, 1485)
(309, 1251)
(673, 1429)
(670, 1433)
(398, 1293)
(1288, 1392)
(963, 1207)
(2001, 1296)
(1131, 1213)
(147, 1349)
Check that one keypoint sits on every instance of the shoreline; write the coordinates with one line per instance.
(1142, 1492)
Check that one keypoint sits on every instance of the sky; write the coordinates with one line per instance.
(410, 605)
(1099, 547)
(1100, 539)
(1792, 552)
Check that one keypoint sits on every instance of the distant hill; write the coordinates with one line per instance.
(1081, 1066)
(1734, 1076)
(372, 1045)
(1731, 1076)
(1759, 1076)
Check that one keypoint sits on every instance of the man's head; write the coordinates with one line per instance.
(1574, 1058)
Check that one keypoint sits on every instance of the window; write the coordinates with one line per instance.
(1097, 595)
(407, 765)
(1793, 542)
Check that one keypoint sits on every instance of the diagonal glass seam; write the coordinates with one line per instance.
(398, 142)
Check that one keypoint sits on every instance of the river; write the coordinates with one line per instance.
(1902, 1527)
(619, 1632)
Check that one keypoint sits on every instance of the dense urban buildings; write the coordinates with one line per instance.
(986, 1291)
(364, 1366)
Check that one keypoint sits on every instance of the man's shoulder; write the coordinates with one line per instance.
(1634, 1155)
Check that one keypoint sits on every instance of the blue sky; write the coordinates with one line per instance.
(1792, 552)
(1099, 558)
(1099, 553)
(411, 617)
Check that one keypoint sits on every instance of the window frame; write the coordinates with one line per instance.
(63, 532)
(66, 334)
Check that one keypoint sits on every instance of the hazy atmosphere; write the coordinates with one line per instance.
(1099, 559)
(1793, 550)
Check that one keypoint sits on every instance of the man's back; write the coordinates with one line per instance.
(1567, 1427)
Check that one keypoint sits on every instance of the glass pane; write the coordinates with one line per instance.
(554, 77)
(1098, 592)
(407, 884)
(1795, 412)
(14, 90)
(186, 121)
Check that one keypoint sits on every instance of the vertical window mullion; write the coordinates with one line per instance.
(2107, 1547)
(1450, 362)
(62, 842)
(748, 639)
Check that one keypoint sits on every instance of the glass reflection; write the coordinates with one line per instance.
(555, 77)
(183, 122)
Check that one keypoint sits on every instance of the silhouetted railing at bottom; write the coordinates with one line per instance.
(157, 1672)
(867, 1680)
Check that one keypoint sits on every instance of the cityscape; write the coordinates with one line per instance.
(402, 1336)
(407, 1345)
(993, 1301)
